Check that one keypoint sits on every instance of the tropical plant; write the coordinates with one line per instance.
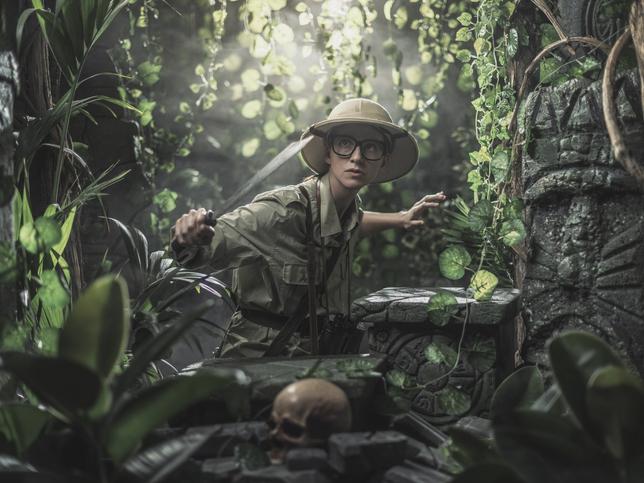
(81, 397)
(157, 283)
(587, 427)
(44, 277)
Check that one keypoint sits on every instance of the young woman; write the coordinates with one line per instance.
(296, 242)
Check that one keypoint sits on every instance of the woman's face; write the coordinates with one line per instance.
(355, 155)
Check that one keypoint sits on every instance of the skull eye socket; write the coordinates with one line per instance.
(291, 429)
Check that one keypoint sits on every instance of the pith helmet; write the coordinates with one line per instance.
(403, 149)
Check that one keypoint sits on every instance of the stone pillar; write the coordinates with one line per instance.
(585, 219)
(8, 90)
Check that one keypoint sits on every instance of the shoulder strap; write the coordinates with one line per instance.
(294, 321)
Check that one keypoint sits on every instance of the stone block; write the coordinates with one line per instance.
(270, 375)
(306, 459)
(364, 453)
(281, 474)
(220, 469)
(414, 473)
(449, 387)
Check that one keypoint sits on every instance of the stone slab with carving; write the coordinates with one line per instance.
(584, 218)
(446, 384)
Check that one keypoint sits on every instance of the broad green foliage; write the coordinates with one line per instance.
(74, 386)
(587, 427)
(441, 308)
(453, 261)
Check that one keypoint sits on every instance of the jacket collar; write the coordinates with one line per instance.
(329, 221)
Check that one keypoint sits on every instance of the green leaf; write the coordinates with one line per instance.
(615, 399)
(481, 354)
(251, 109)
(453, 261)
(575, 356)
(483, 284)
(440, 353)
(512, 43)
(499, 165)
(480, 215)
(543, 447)
(465, 19)
(463, 34)
(96, 332)
(520, 390)
(398, 378)
(65, 233)
(22, 424)
(441, 307)
(65, 385)
(154, 405)
(469, 449)
(155, 347)
(401, 17)
(512, 232)
(49, 232)
(166, 200)
(452, 401)
(390, 252)
(51, 291)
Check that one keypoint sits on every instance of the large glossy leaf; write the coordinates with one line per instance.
(156, 347)
(574, 357)
(154, 405)
(615, 399)
(488, 473)
(155, 464)
(546, 448)
(65, 385)
(96, 332)
(452, 262)
(469, 449)
(518, 391)
(21, 424)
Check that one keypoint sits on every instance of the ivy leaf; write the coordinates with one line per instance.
(482, 354)
(463, 34)
(452, 401)
(465, 19)
(480, 215)
(40, 235)
(441, 307)
(51, 291)
(166, 200)
(271, 130)
(398, 378)
(273, 92)
(440, 353)
(251, 109)
(452, 262)
(250, 147)
(512, 232)
(464, 56)
(499, 165)
(513, 43)
(483, 284)
(400, 17)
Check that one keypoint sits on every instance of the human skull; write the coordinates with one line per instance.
(305, 413)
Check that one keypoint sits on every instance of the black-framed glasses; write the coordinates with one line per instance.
(344, 145)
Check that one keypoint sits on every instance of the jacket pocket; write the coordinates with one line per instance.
(297, 274)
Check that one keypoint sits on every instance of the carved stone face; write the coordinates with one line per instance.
(307, 412)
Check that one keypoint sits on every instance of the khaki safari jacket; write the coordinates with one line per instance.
(265, 243)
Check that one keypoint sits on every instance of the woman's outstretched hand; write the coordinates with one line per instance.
(413, 217)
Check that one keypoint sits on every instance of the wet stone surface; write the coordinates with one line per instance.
(584, 219)
(451, 379)
(363, 453)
